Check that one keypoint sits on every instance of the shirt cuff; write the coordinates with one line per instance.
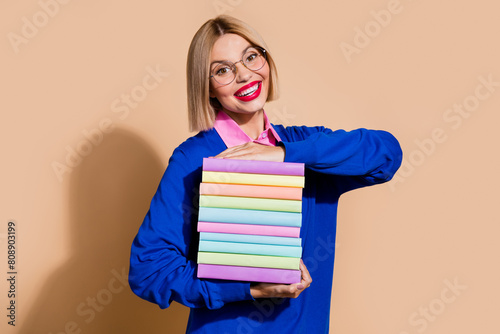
(228, 291)
(293, 151)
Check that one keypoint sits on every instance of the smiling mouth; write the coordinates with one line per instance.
(249, 91)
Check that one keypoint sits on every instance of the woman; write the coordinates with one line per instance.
(230, 76)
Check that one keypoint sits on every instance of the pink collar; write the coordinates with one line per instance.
(233, 135)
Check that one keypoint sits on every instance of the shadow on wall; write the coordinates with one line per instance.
(109, 195)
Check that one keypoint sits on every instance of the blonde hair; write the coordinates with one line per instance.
(201, 108)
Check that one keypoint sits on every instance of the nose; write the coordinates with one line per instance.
(242, 73)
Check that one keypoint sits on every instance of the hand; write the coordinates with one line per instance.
(270, 290)
(254, 151)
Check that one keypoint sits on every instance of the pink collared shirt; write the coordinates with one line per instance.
(233, 135)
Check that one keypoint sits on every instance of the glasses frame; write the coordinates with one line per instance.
(235, 69)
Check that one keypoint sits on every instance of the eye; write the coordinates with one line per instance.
(222, 70)
(251, 57)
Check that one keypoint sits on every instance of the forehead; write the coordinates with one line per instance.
(228, 46)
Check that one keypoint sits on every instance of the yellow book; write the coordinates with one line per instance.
(257, 179)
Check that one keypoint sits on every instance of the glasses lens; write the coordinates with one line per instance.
(254, 59)
(223, 73)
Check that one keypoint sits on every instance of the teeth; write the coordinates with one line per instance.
(249, 91)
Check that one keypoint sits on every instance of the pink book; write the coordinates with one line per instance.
(278, 231)
(249, 274)
(253, 166)
(241, 190)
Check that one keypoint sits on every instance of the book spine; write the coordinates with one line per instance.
(249, 274)
(240, 216)
(260, 230)
(250, 203)
(262, 261)
(251, 239)
(253, 179)
(244, 248)
(253, 166)
(243, 190)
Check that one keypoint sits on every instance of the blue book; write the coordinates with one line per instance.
(250, 239)
(242, 216)
(255, 249)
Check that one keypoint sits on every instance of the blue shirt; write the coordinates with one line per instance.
(163, 255)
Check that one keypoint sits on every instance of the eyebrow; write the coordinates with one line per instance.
(242, 53)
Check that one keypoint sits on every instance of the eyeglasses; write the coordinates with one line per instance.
(225, 72)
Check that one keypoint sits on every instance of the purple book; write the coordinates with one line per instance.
(249, 274)
(253, 166)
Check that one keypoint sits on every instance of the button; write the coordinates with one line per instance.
(264, 135)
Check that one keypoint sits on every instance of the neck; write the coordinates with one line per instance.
(252, 123)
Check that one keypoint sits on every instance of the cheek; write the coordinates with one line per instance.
(221, 92)
(265, 71)
(226, 91)
(266, 75)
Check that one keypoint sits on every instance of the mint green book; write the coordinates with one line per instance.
(262, 261)
(244, 248)
(267, 204)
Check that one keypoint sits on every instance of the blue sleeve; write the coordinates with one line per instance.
(360, 157)
(163, 254)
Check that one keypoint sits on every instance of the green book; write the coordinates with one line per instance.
(267, 204)
(245, 260)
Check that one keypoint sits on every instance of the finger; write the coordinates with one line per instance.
(257, 151)
(243, 155)
(225, 153)
(293, 290)
(306, 276)
(270, 290)
(289, 290)
(248, 153)
(228, 152)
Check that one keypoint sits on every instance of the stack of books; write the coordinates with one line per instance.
(249, 220)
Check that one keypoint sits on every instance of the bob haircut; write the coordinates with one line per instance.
(202, 109)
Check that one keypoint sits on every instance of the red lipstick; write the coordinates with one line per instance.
(253, 95)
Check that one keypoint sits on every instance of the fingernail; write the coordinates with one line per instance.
(300, 287)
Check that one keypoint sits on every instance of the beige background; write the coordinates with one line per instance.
(399, 245)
